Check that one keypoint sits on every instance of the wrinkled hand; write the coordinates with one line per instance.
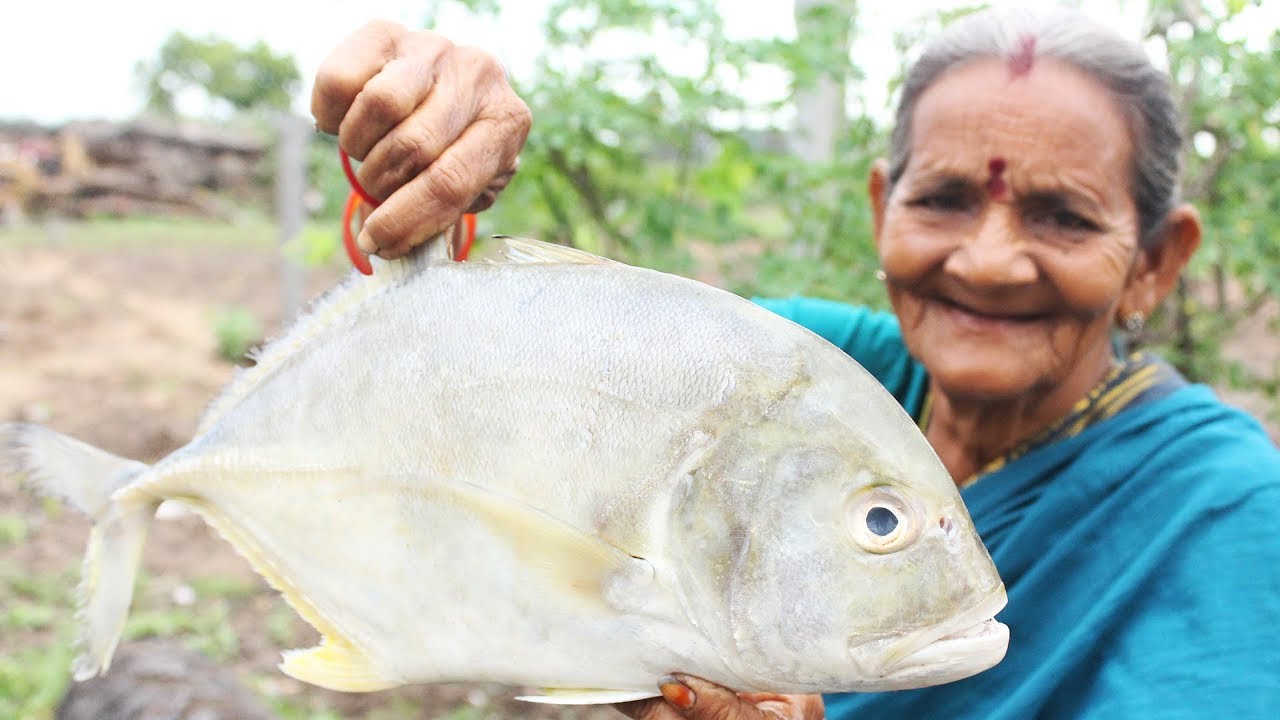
(690, 698)
(437, 127)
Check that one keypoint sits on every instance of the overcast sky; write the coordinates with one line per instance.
(64, 59)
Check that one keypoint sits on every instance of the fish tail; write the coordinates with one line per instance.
(88, 479)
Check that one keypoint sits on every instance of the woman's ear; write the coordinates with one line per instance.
(1158, 269)
(878, 191)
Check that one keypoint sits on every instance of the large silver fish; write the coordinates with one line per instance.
(561, 472)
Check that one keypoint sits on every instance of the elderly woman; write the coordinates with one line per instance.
(1029, 210)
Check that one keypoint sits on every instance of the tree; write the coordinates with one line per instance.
(230, 78)
(636, 157)
(820, 100)
(642, 157)
(1229, 95)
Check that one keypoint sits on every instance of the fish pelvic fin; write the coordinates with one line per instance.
(91, 481)
(593, 696)
(337, 666)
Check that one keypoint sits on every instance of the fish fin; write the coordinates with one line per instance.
(107, 578)
(576, 696)
(90, 480)
(525, 250)
(80, 475)
(262, 563)
(325, 312)
(566, 556)
(336, 666)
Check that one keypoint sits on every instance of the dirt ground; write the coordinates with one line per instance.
(116, 347)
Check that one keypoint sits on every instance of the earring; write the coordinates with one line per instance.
(880, 275)
(1133, 322)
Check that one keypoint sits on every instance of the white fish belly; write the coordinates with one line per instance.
(433, 592)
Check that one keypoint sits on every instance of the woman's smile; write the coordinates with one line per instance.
(984, 320)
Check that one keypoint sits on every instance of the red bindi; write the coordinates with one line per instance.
(1021, 62)
(996, 186)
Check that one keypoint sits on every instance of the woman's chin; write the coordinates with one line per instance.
(991, 381)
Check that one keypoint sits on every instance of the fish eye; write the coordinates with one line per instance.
(882, 520)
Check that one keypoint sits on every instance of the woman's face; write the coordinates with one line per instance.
(1010, 238)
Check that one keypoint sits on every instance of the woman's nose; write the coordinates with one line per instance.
(995, 254)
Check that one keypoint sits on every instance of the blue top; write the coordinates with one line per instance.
(1141, 557)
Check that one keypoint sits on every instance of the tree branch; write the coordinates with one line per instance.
(1212, 167)
(579, 178)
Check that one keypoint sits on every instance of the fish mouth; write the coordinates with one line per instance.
(963, 645)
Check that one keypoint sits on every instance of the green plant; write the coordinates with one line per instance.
(13, 529)
(27, 616)
(33, 679)
(205, 627)
(236, 330)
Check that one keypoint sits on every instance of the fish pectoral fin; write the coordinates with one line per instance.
(561, 554)
(335, 666)
(592, 696)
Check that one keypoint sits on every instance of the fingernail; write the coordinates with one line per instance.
(366, 243)
(677, 693)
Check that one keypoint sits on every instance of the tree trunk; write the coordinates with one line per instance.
(820, 110)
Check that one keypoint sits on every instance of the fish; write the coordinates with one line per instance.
(563, 474)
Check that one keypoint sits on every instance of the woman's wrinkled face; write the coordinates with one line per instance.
(1010, 237)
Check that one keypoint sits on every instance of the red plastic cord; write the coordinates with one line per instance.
(359, 195)
(355, 184)
(357, 258)
(468, 237)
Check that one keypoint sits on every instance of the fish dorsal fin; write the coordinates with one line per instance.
(525, 250)
(326, 310)
(593, 696)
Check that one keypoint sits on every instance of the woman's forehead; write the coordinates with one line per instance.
(1046, 116)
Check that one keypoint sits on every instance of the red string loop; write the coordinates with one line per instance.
(359, 195)
(357, 258)
(354, 181)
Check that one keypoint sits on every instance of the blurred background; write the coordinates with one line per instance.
(165, 205)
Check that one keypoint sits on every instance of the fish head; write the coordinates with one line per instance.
(825, 548)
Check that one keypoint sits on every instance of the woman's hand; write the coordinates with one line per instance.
(690, 698)
(437, 128)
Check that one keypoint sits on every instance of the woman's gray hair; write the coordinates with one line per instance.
(1119, 64)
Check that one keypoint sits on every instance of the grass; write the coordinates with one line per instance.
(22, 615)
(236, 330)
(205, 627)
(37, 620)
(48, 588)
(13, 529)
(112, 233)
(34, 673)
(33, 680)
